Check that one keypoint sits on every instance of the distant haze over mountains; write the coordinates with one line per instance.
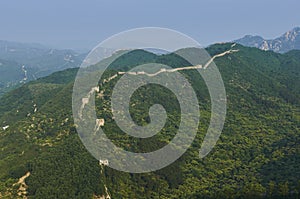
(23, 62)
(286, 42)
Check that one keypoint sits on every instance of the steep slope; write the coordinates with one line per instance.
(257, 155)
(286, 42)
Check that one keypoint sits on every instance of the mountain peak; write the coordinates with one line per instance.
(292, 34)
(286, 42)
(296, 29)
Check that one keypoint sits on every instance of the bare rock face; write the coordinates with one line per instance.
(286, 42)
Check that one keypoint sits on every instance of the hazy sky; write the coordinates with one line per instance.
(83, 24)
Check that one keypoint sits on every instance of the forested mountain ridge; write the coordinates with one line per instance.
(257, 155)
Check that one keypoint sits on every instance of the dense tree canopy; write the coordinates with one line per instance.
(257, 155)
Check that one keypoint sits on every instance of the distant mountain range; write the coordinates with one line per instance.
(286, 42)
(21, 62)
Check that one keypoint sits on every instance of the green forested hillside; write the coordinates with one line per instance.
(257, 155)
